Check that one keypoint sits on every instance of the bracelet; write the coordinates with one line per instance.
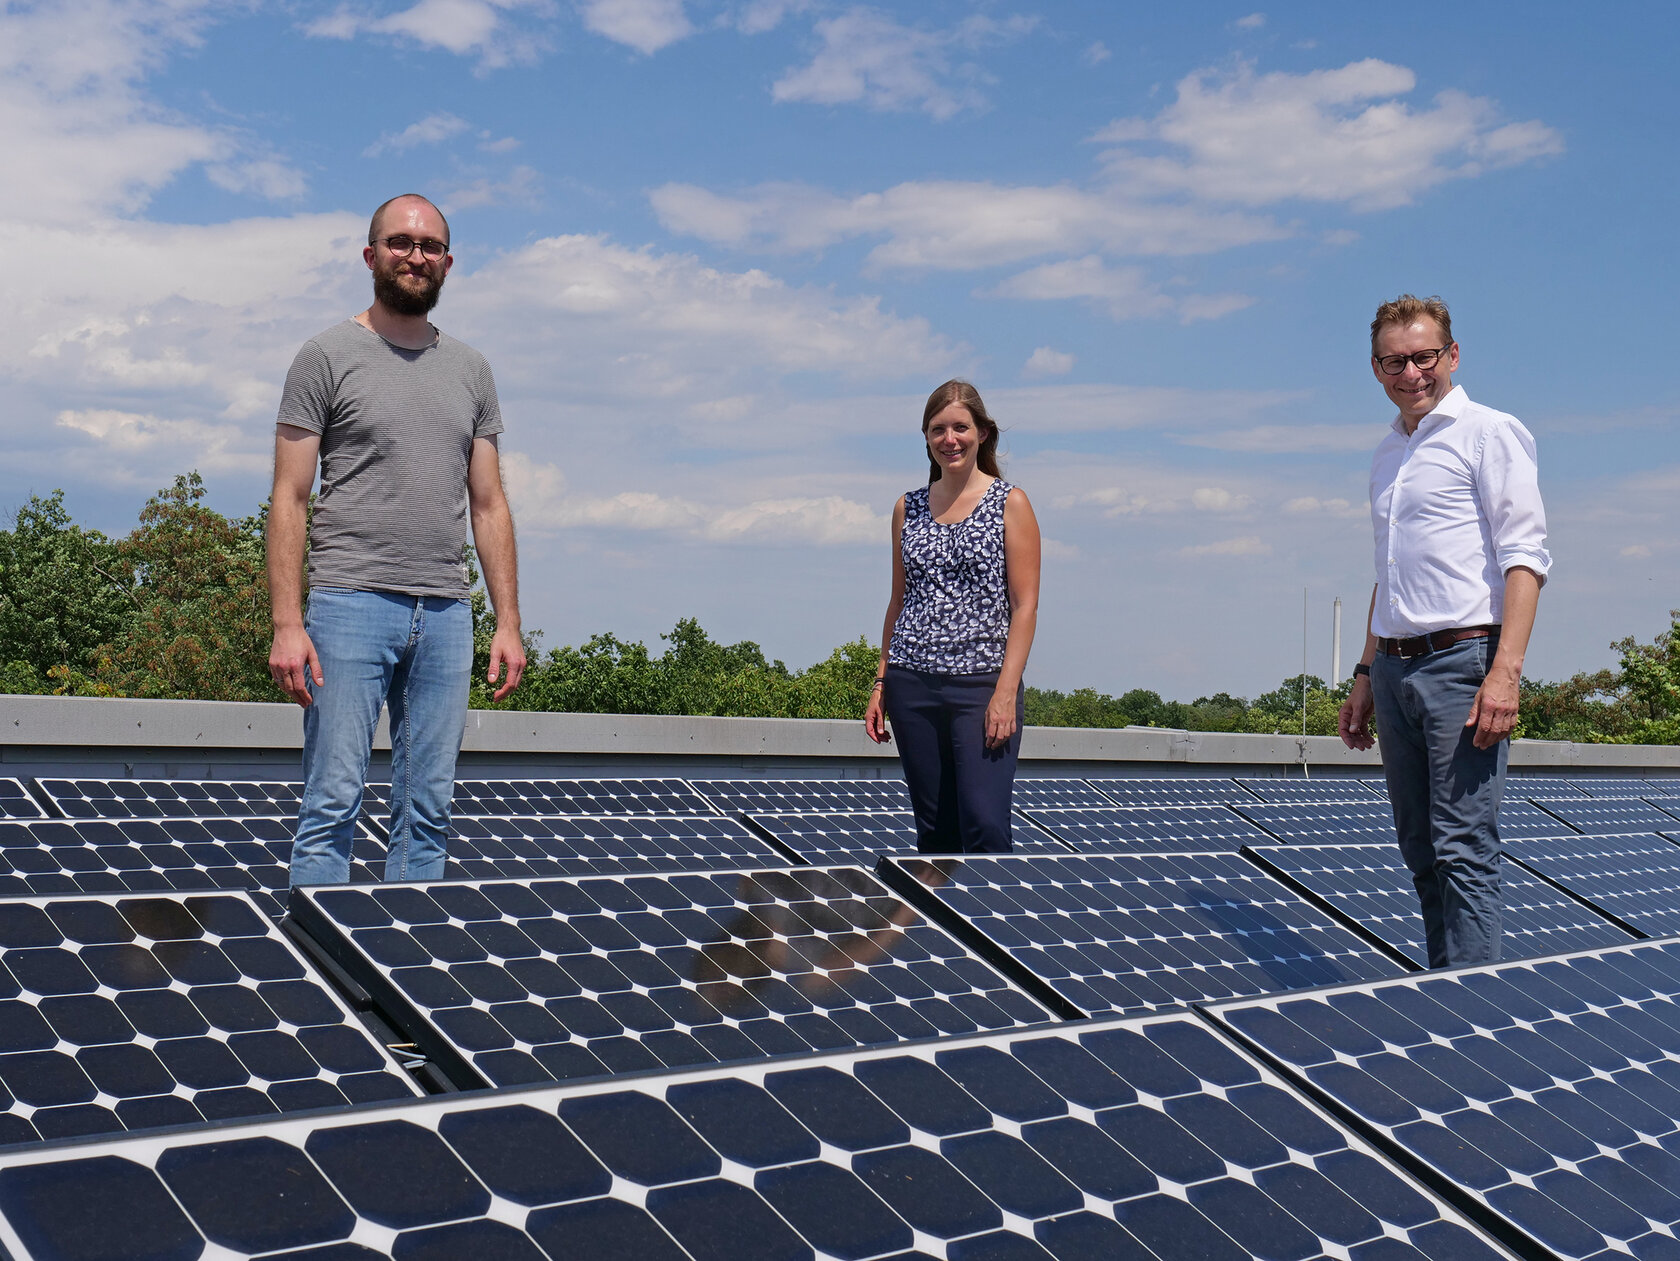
(1360, 669)
(877, 683)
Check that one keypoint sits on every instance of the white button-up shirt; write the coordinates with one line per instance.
(1454, 506)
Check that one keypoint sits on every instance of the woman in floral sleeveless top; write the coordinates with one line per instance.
(958, 629)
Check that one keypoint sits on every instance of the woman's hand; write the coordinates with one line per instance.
(1000, 719)
(875, 718)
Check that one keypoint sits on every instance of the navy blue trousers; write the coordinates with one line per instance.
(959, 788)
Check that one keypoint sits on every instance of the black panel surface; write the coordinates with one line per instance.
(488, 846)
(1172, 791)
(530, 981)
(1279, 790)
(1118, 1142)
(171, 798)
(1634, 877)
(1152, 828)
(1599, 815)
(139, 855)
(575, 796)
(16, 803)
(1345, 823)
(1127, 933)
(1546, 1090)
(803, 796)
(863, 837)
(121, 1013)
(1369, 885)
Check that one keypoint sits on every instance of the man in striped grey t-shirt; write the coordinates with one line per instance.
(404, 423)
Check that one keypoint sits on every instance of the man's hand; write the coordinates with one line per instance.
(506, 649)
(1494, 711)
(292, 662)
(1353, 721)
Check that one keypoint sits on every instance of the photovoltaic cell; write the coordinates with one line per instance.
(509, 797)
(1521, 820)
(1278, 790)
(803, 796)
(171, 798)
(1347, 823)
(1122, 1140)
(1169, 791)
(1546, 1090)
(1632, 877)
(1129, 933)
(1056, 794)
(1369, 886)
(863, 837)
(158, 855)
(16, 803)
(1612, 786)
(1599, 815)
(489, 846)
(1197, 828)
(505, 982)
(122, 1013)
(1527, 785)
(1668, 805)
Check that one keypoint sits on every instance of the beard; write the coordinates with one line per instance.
(400, 300)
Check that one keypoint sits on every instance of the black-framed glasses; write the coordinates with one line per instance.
(403, 246)
(1394, 365)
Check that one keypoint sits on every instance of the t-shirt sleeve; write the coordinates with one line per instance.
(307, 399)
(488, 420)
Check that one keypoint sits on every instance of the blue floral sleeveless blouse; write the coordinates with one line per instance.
(955, 618)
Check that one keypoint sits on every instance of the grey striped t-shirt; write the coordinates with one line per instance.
(397, 428)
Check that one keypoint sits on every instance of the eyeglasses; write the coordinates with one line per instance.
(403, 246)
(1394, 365)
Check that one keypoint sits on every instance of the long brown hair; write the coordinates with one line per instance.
(961, 392)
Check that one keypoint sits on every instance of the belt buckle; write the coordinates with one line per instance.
(1424, 647)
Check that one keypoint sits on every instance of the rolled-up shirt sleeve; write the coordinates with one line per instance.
(1508, 483)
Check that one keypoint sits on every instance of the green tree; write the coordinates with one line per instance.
(64, 591)
(1651, 684)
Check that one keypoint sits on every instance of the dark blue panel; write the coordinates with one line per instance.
(1631, 877)
(1296, 790)
(168, 799)
(491, 846)
(1188, 791)
(16, 803)
(1611, 786)
(1189, 828)
(509, 797)
(862, 837)
(1607, 815)
(1329, 823)
(803, 796)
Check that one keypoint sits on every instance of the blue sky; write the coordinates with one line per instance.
(719, 251)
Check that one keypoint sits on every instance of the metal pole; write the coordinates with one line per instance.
(1336, 643)
(1304, 616)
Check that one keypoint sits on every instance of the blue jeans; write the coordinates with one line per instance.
(414, 654)
(1445, 792)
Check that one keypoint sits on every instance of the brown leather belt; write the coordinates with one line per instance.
(1423, 645)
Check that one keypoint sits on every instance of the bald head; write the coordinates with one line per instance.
(375, 225)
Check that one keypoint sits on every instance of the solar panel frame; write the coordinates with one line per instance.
(1278, 790)
(1368, 888)
(996, 1147)
(1536, 1093)
(132, 1011)
(1151, 828)
(1628, 878)
(1324, 822)
(1128, 933)
(803, 796)
(1171, 790)
(503, 983)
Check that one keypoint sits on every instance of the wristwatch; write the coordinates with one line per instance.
(1360, 669)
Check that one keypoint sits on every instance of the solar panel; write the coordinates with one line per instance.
(1525, 785)
(575, 796)
(1632, 877)
(155, 855)
(171, 798)
(1597, 815)
(489, 847)
(1521, 820)
(1169, 791)
(122, 1013)
(504, 982)
(863, 837)
(803, 796)
(1345, 823)
(1197, 828)
(1664, 785)
(1612, 786)
(16, 803)
(1370, 887)
(1130, 933)
(1544, 1090)
(1668, 805)
(1280, 791)
(1125, 1140)
(1056, 794)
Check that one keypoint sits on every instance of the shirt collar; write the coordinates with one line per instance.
(1450, 408)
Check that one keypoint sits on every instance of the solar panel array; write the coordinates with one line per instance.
(827, 1063)
(1613, 786)
(1606, 815)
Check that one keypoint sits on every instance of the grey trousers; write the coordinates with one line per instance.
(1445, 792)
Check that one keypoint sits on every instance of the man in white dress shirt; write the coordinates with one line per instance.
(1461, 557)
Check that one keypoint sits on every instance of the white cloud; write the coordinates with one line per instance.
(868, 56)
(1636, 551)
(1046, 362)
(1218, 499)
(269, 178)
(479, 28)
(522, 187)
(1122, 292)
(1253, 22)
(1095, 54)
(755, 17)
(1281, 439)
(1309, 505)
(1248, 545)
(1342, 135)
(953, 224)
(432, 129)
(126, 444)
(645, 25)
